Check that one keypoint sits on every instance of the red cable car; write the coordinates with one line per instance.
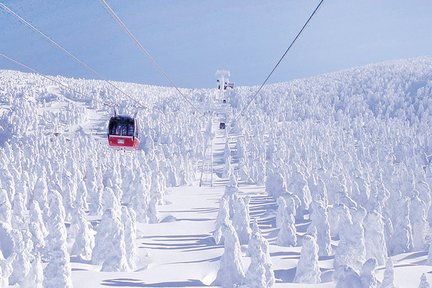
(123, 132)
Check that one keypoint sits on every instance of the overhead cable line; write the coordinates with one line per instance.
(67, 52)
(145, 52)
(43, 76)
(280, 60)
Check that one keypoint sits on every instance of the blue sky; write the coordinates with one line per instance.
(191, 39)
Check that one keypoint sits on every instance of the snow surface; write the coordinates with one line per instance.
(364, 133)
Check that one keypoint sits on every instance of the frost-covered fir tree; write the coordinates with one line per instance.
(140, 199)
(307, 268)
(349, 250)
(21, 264)
(241, 220)
(231, 193)
(320, 222)
(255, 275)
(34, 278)
(152, 211)
(357, 231)
(82, 194)
(367, 275)
(429, 259)
(388, 281)
(109, 250)
(5, 269)
(94, 189)
(128, 219)
(228, 169)
(5, 207)
(287, 234)
(275, 184)
(221, 220)
(40, 190)
(84, 239)
(157, 189)
(375, 241)
(424, 282)
(37, 227)
(282, 206)
(109, 199)
(417, 215)
(260, 270)
(345, 277)
(230, 273)
(401, 240)
(18, 210)
(58, 271)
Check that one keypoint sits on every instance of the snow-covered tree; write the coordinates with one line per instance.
(275, 184)
(157, 187)
(375, 242)
(109, 199)
(307, 268)
(345, 277)
(94, 189)
(84, 239)
(128, 219)
(231, 194)
(256, 274)
(319, 217)
(18, 210)
(58, 271)
(287, 234)
(35, 277)
(109, 249)
(260, 272)
(5, 269)
(367, 275)
(152, 211)
(388, 281)
(417, 215)
(5, 207)
(241, 220)
(282, 206)
(140, 199)
(429, 259)
(401, 240)
(82, 194)
(424, 282)
(230, 273)
(221, 220)
(37, 227)
(350, 250)
(21, 263)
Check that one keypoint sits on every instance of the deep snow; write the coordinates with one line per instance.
(351, 139)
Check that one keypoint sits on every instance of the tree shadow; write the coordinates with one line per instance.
(126, 282)
(285, 275)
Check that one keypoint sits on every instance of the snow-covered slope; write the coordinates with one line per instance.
(341, 157)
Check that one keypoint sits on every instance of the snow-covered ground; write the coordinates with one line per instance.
(321, 182)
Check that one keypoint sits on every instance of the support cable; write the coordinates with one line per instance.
(145, 52)
(280, 60)
(43, 76)
(68, 53)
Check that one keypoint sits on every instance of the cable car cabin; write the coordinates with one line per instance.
(222, 125)
(123, 132)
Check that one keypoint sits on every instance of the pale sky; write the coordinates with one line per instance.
(191, 39)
